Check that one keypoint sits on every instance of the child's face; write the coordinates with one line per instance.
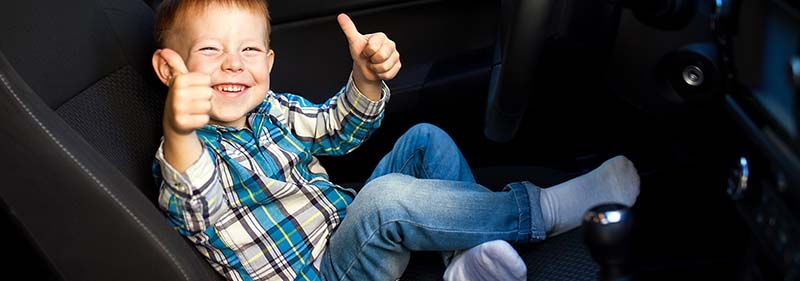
(230, 45)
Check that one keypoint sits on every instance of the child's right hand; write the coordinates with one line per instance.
(188, 103)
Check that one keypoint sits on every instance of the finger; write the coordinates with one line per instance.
(193, 121)
(384, 53)
(389, 75)
(386, 65)
(192, 79)
(202, 93)
(199, 107)
(349, 29)
(174, 61)
(374, 43)
(182, 98)
(199, 120)
(365, 71)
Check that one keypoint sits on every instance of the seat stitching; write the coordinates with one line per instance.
(7, 84)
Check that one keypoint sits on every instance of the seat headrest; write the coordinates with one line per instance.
(62, 47)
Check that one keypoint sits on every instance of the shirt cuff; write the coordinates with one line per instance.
(196, 178)
(362, 104)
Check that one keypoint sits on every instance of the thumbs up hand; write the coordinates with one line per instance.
(188, 103)
(375, 58)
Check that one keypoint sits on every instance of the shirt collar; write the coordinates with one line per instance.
(252, 117)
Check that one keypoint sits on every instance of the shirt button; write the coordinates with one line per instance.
(180, 187)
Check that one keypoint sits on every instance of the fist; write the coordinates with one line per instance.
(188, 102)
(375, 56)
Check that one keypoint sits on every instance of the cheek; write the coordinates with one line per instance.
(265, 80)
(260, 71)
(202, 64)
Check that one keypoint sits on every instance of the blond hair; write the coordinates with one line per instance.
(170, 12)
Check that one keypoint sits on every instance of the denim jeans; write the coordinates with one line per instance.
(422, 196)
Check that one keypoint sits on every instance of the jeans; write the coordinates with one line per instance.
(422, 197)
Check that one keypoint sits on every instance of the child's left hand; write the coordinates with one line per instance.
(375, 56)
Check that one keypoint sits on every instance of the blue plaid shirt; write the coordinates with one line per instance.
(257, 203)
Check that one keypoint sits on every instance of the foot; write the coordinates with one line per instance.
(493, 260)
(563, 205)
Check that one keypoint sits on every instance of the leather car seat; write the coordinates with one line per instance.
(81, 118)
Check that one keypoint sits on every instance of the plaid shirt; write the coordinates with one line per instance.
(257, 203)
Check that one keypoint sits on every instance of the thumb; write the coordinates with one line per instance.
(174, 60)
(349, 29)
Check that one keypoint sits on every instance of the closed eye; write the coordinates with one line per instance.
(208, 51)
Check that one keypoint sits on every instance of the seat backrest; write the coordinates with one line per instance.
(81, 115)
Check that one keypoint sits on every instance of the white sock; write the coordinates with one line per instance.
(563, 205)
(493, 260)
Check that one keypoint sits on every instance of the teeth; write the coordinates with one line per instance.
(230, 88)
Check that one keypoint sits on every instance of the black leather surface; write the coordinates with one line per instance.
(91, 222)
(72, 181)
(120, 116)
(63, 47)
(289, 10)
(311, 56)
(59, 47)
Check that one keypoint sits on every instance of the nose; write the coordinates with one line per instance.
(233, 62)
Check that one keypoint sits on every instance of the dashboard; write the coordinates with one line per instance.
(764, 181)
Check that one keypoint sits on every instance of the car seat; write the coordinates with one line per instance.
(81, 119)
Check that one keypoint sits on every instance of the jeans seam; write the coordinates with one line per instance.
(519, 211)
(405, 163)
(519, 190)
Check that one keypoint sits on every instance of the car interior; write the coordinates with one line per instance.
(699, 94)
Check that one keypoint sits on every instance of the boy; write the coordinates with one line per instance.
(239, 179)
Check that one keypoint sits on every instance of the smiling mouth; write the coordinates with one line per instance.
(230, 90)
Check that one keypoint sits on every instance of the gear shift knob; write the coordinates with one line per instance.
(607, 234)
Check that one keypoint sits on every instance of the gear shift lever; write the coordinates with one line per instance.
(607, 234)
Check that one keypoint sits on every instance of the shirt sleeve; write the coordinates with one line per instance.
(335, 127)
(193, 200)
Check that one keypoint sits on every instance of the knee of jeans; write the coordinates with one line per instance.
(388, 192)
(430, 133)
(427, 129)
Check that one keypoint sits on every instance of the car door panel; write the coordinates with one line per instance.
(446, 50)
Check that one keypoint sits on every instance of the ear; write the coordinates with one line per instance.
(162, 69)
(270, 60)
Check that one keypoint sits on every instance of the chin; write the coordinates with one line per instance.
(227, 118)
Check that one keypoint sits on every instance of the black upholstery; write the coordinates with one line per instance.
(81, 116)
(130, 114)
(73, 54)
